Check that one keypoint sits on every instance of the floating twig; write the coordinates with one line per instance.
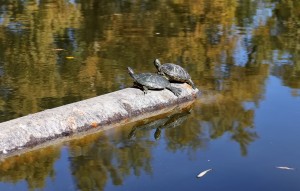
(203, 173)
(58, 49)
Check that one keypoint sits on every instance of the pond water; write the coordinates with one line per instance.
(244, 54)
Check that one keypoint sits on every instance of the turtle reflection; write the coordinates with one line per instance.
(170, 121)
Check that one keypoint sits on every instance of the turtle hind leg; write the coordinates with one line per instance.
(191, 83)
(175, 91)
(145, 89)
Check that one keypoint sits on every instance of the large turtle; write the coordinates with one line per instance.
(174, 72)
(152, 81)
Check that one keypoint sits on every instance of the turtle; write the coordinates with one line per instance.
(174, 72)
(152, 81)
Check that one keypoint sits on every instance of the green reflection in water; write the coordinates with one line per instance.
(33, 167)
(96, 159)
(56, 52)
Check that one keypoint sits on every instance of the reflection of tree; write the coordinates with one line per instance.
(98, 158)
(95, 160)
(228, 113)
(29, 61)
(33, 167)
(244, 137)
(230, 117)
(104, 37)
(286, 58)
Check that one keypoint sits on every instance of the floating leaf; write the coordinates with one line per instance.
(203, 173)
(285, 168)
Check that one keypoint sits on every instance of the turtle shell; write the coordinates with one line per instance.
(152, 81)
(175, 72)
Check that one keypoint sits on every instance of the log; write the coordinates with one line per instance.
(94, 114)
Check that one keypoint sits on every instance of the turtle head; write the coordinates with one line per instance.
(157, 63)
(130, 71)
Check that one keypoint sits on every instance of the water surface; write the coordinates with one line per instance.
(242, 54)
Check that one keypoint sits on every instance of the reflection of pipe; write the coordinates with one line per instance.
(99, 113)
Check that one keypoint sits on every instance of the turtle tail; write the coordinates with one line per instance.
(190, 82)
(174, 90)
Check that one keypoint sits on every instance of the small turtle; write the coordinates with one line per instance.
(152, 81)
(174, 72)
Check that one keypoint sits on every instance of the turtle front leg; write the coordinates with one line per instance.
(163, 74)
(160, 73)
(145, 89)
